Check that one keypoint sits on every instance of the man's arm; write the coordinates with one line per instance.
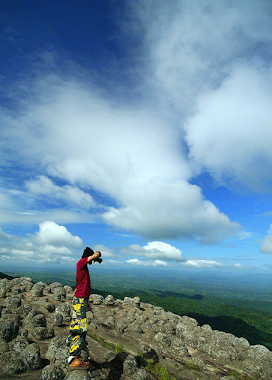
(94, 256)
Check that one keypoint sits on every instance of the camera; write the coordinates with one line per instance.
(98, 260)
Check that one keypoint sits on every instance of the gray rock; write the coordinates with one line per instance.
(32, 357)
(130, 365)
(52, 372)
(96, 299)
(59, 291)
(162, 339)
(3, 290)
(78, 375)
(37, 289)
(4, 347)
(49, 306)
(58, 352)
(8, 329)
(109, 300)
(58, 318)
(13, 302)
(64, 310)
(18, 344)
(43, 333)
(38, 320)
(68, 289)
(131, 302)
(55, 285)
(141, 374)
(11, 363)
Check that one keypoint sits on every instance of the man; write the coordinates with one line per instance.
(78, 327)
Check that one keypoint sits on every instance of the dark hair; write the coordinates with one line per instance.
(87, 252)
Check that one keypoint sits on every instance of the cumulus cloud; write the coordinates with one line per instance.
(202, 264)
(266, 245)
(51, 244)
(44, 186)
(199, 111)
(139, 165)
(230, 135)
(155, 250)
(107, 252)
(140, 263)
(52, 233)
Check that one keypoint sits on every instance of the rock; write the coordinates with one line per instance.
(130, 365)
(3, 290)
(37, 289)
(8, 329)
(43, 333)
(49, 306)
(38, 320)
(24, 310)
(58, 352)
(109, 301)
(54, 286)
(18, 344)
(151, 355)
(13, 302)
(59, 291)
(31, 356)
(96, 299)
(12, 363)
(162, 339)
(4, 347)
(68, 290)
(141, 374)
(131, 302)
(78, 375)
(69, 297)
(64, 310)
(52, 372)
(58, 318)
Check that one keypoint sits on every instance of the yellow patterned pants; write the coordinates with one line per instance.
(78, 327)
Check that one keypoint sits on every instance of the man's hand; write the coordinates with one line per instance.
(93, 257)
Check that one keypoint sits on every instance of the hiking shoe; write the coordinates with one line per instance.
(78, 363)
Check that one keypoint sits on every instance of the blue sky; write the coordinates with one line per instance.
(142, 129)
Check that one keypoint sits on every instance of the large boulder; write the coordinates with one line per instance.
(32, 357)
(58, 352)
(64, 310)
(52, 372)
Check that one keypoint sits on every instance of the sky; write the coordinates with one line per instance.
(142, 129)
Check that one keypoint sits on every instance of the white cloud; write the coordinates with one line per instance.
(155, 250)
(51, 244)
(266, 246)
(202, 263)
(138, 164)
(52, 233)
(105, 251)
(44, 186)
(134, 154)
(140, 263)
(231, 134)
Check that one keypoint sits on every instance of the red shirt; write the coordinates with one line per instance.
(83, 282)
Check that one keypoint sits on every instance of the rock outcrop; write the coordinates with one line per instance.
(128, 339)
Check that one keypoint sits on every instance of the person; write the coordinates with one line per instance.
(78, 353)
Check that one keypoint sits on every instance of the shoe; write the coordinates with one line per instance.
(78, 363)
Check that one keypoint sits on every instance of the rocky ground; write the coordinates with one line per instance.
(127, 339)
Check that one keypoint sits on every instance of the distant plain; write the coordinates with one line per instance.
(240, 304)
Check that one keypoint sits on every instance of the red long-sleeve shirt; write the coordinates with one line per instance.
(83, 282)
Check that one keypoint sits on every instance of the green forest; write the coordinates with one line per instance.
(240, 305)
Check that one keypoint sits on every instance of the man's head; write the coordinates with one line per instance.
(87, 252)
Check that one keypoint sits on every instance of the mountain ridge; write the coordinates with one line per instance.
(35, 320)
